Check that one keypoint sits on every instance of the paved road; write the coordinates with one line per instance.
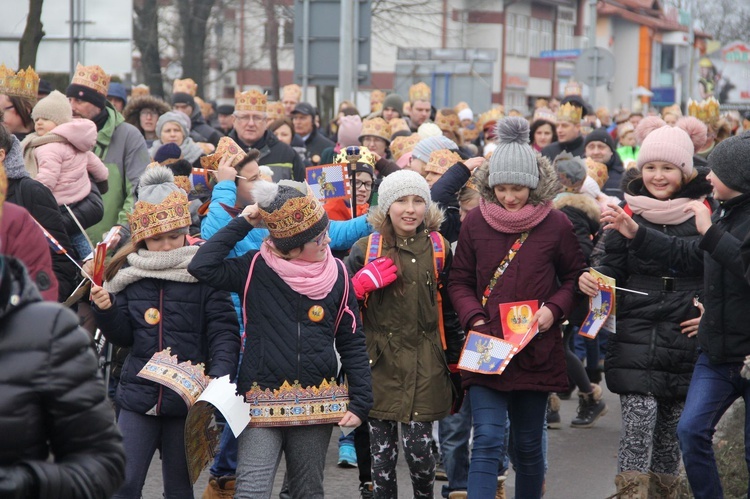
(582, 463)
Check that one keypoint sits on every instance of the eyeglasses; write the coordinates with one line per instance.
(319, 240)
(149, 113)
(255, 118)
(367, 185)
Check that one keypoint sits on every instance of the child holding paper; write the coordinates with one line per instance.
(149, 303)
(516, 201)
(649, 362)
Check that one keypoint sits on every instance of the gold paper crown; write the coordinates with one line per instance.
(148, 220)
(544, 113)
(252, 100)
(570, 113)
(403, 144)
(706, 110)
(377, 96)
(292, 91)
(597, 171)
(460, 107)
(140, 91)
(186, 86)
(25, 83)
(441, 160)
(490, 117)
(376, 127)
(226, 147)
(398, 125)
(185, 378)
(573, 88)
(365, 156)
(447, 122)
(469, 134)
(295, 216)
(420, 91)
(673, 109)
(92, 77)
(275, 110)
(293, 405)
(541, 103)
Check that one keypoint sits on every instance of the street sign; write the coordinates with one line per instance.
(595, 67)
(560, 55)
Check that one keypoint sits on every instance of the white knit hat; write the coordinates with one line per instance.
(402, 183)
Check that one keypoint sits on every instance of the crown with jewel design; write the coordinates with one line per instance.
(291, 91)
(469, 133)
(296, 215)
(140, 90)
(570, 113)
(398, 125)
(291, 404)
(573, 88)
(544, 113)
(376, 127)
(447, 122)
(148, 219)
(185, 86)
(420, 91)
(25, 83)
(226, 147)
(441, 160)
(275, 110)
(489, 118)
(706, 110)
(185, 378)
(92, 77)
(404, 144)
(365, 156)
(252, 100)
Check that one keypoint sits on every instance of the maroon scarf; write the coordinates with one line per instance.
(514, 222)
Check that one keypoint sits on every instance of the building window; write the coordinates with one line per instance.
(521, 35)
(546, 36)
(535, 37)
(566, 21)
(510, 34)
(285, 20)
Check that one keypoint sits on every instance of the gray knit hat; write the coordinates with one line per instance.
(176, 117)
(55, 107)
(429, 145)
(729, 161)
(396, 102)
(402, 183)
(514, 161)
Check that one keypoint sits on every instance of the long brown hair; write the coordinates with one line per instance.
(119, 259)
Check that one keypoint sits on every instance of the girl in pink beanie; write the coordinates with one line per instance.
(649, 362)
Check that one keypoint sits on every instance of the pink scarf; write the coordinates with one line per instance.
(312, 279)
(668, 212)
(514, 222)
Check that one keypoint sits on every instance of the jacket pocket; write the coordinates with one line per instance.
(537, 354)
(376, 346)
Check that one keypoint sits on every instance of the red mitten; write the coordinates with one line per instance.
(375, 275)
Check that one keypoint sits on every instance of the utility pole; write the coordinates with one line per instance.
(345, 50)
(592, 45)
(691, 54)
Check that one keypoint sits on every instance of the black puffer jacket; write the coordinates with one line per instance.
(279, 157)
(574, 147)
(198, 124)
(649, 355)
(196, 321)
(53, 401)
(445, 193)
(283, 343)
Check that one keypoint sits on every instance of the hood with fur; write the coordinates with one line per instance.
(135, 105)
(546, 190)
(582, 202)
(433, 217)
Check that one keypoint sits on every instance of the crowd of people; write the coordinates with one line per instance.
(354, 312)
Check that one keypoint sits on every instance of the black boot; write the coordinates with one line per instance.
(590, 408)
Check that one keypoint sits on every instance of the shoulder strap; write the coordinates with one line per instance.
(247, 286)
(344, 307)
(626, 208)
(438, 252)
(374, 246)
(503, 266)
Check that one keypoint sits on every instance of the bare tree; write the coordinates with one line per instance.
(724, 20)
(272, 24)
(194, 16)
(146, 36)
(32, 35)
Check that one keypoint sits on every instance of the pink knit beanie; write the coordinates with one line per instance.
(675, 145)
(349, 130)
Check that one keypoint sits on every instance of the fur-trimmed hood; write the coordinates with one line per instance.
(546, 190)
(632, 183)
(433, 217)
(582, 202)
(132, 111)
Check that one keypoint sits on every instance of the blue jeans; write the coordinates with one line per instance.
(489, 411)
(225, 462)
(713, 389)
(346, 439)
(454, 431)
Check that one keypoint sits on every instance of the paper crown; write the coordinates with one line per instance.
(403, 144)
(291, 405)
(705, 62)
(441, 160)
(185, 378)
(398, 125)
(597, 171)
(570, 113)
(706, 110)
(490, 117)
(447, 122)
(544, 113)
(365, 156)
(25, 83)
(291, 91)
(420, 91)
(275, 110)
(252, 100)
(92, 77)
(460, 107)
(541, 103)
(140, 90)
(295, 216)
(376, 127)
(226, 147)
(148, 220)
(673, 109)
(376, 100)
(186, 86)
(470, 133)
(573, 88)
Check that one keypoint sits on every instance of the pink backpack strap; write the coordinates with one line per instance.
(344, 307)
(247, 286)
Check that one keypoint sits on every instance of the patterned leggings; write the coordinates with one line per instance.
(648, 440)
(417, 442)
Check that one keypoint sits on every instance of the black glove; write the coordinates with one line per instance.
(458, 392)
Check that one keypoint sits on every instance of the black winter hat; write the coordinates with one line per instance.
(225, 109)
(183, 98)
(600, 135)
(729, 161)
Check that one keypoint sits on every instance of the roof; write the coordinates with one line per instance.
(643, 12)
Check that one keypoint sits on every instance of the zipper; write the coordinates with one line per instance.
(299, 338)
(431, 284)
(651, 350)
(161, 344)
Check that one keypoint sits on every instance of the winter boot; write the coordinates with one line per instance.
(458, 494)
(632, 485)
(662, 486)
(220, 487)
(590, 408)
(365, 490)
(500, 493)
(553, 412)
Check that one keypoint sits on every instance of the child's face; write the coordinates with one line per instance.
(628, 139)
(364, 187)
(43, 126)
(464, 207)
(512, 197)
(432, 177)
(661, 179)
(416, 165)
(165, 242)
(407, 214)
(721, 191)
(315, 250)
